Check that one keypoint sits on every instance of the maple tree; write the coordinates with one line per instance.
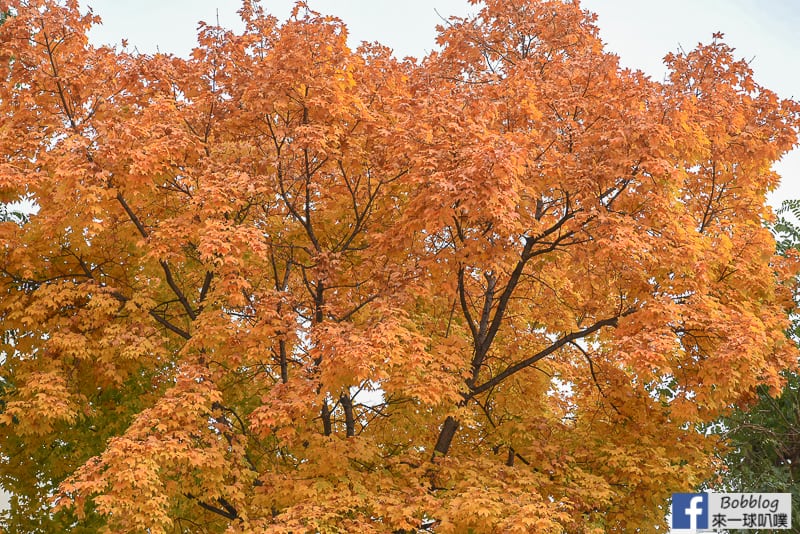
(286, 286)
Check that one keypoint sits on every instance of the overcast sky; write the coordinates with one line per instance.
(641, 32)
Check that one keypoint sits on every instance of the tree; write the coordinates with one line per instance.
(764, 450)
(286, 286)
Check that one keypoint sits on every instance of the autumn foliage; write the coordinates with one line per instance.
(287, 286)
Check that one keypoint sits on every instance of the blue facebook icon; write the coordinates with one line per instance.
(690, 510)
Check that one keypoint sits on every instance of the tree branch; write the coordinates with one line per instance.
(462, 297)
(206, 286)
(512, 369)
(169, 326)
(227, 511)
(164, 265)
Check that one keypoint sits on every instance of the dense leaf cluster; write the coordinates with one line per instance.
(288, 286)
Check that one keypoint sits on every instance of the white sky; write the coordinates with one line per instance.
(641, 32)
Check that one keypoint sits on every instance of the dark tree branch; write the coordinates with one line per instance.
(527, 362)
(594, 374)
(462, 298)
(164, 265)
(227, 511)
(169, 326)
(355, 309)
(177, 290)
(206, 286)
(59, 88)
(132, 216)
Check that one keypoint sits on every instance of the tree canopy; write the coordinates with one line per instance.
(288, 286)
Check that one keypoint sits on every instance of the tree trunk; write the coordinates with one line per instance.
(327, 429)
(349, 418)
(511, 455)
(283, 361)
(445, 437)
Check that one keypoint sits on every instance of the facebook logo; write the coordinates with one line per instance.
(689, 510)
